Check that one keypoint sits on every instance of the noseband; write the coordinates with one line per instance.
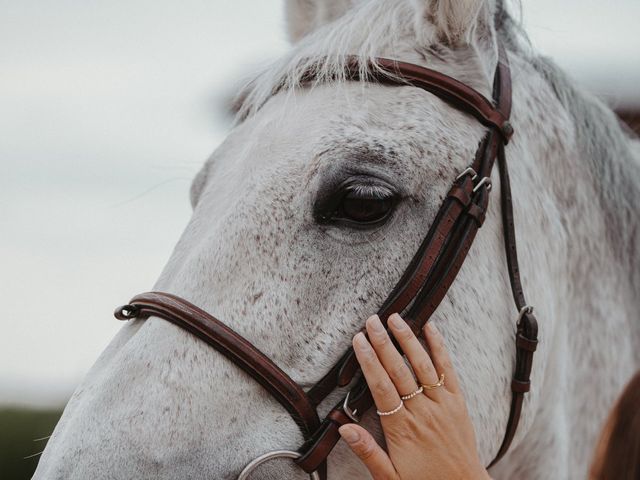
(419, 291)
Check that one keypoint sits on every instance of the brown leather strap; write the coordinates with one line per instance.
(456, 93)
(229, 343)
(318, 447)
(452, 259)
(527, 327)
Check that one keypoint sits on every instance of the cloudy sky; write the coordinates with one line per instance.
(107, 109)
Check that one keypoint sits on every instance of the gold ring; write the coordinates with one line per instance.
(431, 386)
(413, 394)
(391, 412)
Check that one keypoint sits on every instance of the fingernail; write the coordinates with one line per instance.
(396, 321)
(360, 341)
(349, 434)
(375, 324)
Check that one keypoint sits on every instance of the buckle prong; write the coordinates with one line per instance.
(485, 180)
(348, 411)
(523, 311)
(467, 171)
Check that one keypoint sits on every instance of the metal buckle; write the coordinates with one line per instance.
(348, 411)
(524, 310)
(246, 471)
(485, 180)
(467, 171)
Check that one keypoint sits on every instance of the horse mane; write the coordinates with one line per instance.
(375, 27)
(608, 147)
(364, 32)
(607, 150)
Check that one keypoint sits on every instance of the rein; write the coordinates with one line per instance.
(418, 293)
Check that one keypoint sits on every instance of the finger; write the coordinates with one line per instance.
(416, 354)
(390, 358)
(372, 455)
(440, 357)
(383, 390)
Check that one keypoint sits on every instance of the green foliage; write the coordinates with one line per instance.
(20, 430)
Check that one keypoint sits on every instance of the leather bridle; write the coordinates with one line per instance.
(418, 292)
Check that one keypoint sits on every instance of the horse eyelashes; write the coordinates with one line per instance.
(356, 204)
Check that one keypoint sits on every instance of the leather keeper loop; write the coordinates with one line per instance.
(507, 132)
(519, 386)
(339, 417)
(525, 343)
(460, 194)
(477, 213)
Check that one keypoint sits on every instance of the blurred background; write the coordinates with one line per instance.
(107, 110)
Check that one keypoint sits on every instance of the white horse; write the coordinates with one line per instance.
(161, 404)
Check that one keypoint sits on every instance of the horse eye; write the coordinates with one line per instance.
(364, 208)
(360, 206)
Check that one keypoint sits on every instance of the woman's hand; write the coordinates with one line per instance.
(428, 436)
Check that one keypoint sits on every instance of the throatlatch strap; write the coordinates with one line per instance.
(527, 327)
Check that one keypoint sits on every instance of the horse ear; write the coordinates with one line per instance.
(455, 21)
(304, 16)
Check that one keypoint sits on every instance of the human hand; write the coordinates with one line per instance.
(428, 436)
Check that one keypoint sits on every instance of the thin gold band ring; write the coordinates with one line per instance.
(431, 386)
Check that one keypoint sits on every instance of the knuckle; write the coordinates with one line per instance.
(407, 432)
(368, 356)
(365, 449)
(405, 334)
(458, 401)
(398, 370)
(380, 339)
(424, 366)
(438, 344)
(383, 387)
(418, 427)
(446, 363)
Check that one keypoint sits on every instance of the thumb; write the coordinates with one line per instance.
(372, 455)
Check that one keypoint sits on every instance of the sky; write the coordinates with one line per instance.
(107, 110)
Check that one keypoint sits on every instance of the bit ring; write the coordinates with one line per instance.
(269, 456)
